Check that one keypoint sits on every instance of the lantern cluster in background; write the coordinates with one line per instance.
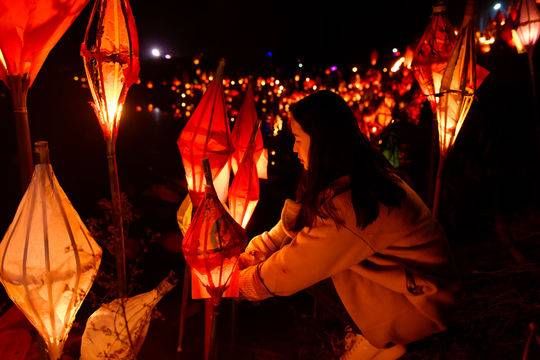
(48, 259)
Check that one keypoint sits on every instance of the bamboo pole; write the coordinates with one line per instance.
(116, 200)
(183, 307)
(438, 182)
(19, 86)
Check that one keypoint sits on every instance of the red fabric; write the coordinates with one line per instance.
(243, 129)
(16, 339)
(206, 135)
(29, 29)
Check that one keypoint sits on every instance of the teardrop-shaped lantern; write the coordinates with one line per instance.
(433, 52)
(117, 330)
(213, 243)
(111, 60)
(207, 135)
(241, 136)
(244, 191)
(528, 28)
(48, 259)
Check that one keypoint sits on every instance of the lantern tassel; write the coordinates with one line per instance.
(19, 85)
(210, 317)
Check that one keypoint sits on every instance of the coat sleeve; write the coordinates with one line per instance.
(313, 255)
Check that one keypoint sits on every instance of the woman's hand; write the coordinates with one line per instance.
(250, 258)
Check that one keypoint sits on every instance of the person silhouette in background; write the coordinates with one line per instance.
(356, 222)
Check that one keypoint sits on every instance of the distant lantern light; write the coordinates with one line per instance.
(333, 68)
(300, 65)
(497, 6)
(168, 57)
(273, 152)
(354, 69)
(156, 52)
(269, 54)
(394, 50)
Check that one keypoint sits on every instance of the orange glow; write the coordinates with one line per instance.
(111, 60)
(29, 30)
(48, 259)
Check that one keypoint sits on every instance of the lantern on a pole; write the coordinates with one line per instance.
(211, 247)
(207, 135)
(48, 259)
(110, 53)
(117, 330)
(241, 136)
(528, 30)
(458, 87)
(29, 29)
(433, 52)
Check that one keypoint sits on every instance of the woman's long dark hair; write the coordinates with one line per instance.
(337, 149)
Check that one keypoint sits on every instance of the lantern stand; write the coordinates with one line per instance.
(183, 307)
(530, 56)
(19, 85)
(438, 181)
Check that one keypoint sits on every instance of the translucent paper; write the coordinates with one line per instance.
(212, 244)
(458, 87)
(29, 29)
(528, 28)
(241, 135)
(48, 259)
(109, 334)
(111, 59)
(207, 135)
(433, 52)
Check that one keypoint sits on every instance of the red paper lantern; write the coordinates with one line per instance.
(207, 135)
(432, 53)
(213, 243)
(528, 28)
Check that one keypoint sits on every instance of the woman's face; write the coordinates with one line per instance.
(301, 142)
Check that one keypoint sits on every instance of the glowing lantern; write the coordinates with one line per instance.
(29, 29)
(528, 31)
(432, 53)
(460, 80)
(211, 247)
(241, 136)
(528, 28)
(207, 135)
(244, 191)
(112, 334)
(48, 259)
(110, 53)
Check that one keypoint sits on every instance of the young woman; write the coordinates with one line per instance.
(356, 222)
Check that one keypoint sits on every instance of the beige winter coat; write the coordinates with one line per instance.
(392, 276)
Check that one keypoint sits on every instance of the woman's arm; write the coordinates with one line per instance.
(313, 255)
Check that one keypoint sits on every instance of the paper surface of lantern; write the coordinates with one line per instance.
(433, 52)
(528, 28)
(29, 29)
(48, 259)
(207, 135)
(212, 244)
(111, 60)
(244, 191)
(460, 80)
(109, 334)
(241, 135)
